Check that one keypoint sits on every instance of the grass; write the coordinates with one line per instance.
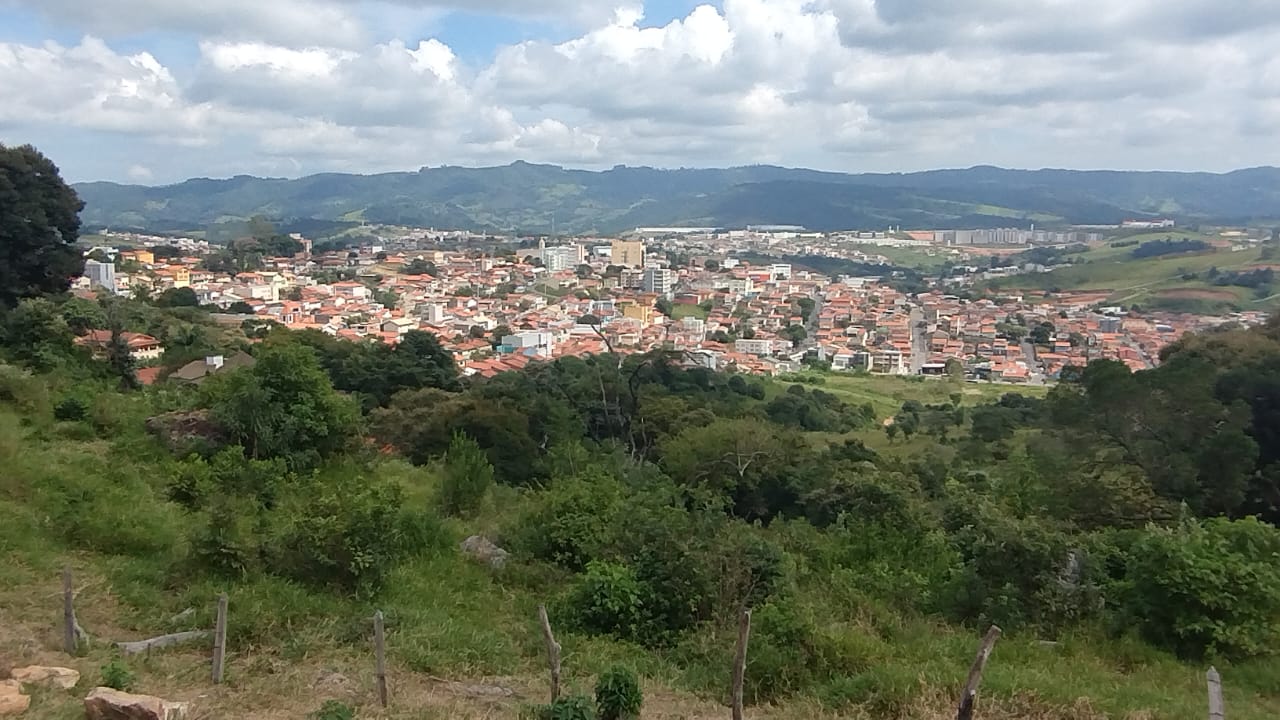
(463, 640)
(681, 311)
(1131, 280)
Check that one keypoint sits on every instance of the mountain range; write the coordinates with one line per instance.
(523, 197)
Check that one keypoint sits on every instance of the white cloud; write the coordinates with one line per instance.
(840, 84)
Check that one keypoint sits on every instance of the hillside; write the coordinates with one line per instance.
(534, 198)
(1108, 527)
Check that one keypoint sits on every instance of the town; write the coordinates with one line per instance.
(725, 300)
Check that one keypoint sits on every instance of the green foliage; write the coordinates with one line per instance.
(1208, 587)
(618, 694)
(569, 707)
(117, 675)
(71, 409)
(177, 297)
(36, 334)
(334, 710)
(283, 407)
(569, 523)
(607, 599)
(39, 225)
(467, 477)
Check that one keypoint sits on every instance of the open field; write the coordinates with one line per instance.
(1132, 281)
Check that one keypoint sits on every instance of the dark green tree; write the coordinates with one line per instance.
(39, 225)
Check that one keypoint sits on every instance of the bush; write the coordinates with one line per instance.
(607, 600)
(467, 477)
(117, 676)
(346, 533)
(334, 710)
(71, 409)
(569, 523)
(571, 707)
(1207, 587)
(618, 695)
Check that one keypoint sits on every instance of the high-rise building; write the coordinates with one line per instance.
(658, 280)
(627, 253)
(101, 274)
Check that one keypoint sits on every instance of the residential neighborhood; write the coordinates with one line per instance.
(725, 299)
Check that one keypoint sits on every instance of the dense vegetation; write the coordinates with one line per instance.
(1169, 246)
(526, 197)
(649, 501)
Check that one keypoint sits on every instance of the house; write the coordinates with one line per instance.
(196, 371)
(141, 347)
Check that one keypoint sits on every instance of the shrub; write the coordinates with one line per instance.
(334, 710)
(618, 695)
(607, 600)
(1207, 587)
(467, 477)
(345, 533)
(570, 707)
(71, 409)
(569, 523)
(117, 675)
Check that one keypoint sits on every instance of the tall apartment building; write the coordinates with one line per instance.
(101, 274)
(658, 280)
(627, 253)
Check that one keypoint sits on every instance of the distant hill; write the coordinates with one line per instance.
(523, 197)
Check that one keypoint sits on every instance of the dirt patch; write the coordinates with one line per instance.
(1197, 294)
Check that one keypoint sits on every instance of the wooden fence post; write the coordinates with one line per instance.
(380, 656)
(740, 663)
(220, 640)
(970, 696)
(68, 613)
(1216, 709)
(553, 652)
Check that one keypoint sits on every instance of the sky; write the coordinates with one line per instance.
(156, 91)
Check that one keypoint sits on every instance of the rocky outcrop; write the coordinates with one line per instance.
(482, 549)
(184, 432)
(59, 677)
(12, 701)
(107, 704)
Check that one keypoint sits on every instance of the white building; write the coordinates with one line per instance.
(100, 274)
(658, 280)
(537, 344)
(754, 347)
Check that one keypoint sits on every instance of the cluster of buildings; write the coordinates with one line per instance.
(499, 310)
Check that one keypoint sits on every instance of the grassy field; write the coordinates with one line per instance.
(913, 257)
(463, 640)
(1138, 281)
(681, 311)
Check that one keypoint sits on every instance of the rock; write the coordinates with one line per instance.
(182, 432)
(12, 701)
(59, 677)
(482, 549)
(333, 684)
(107, 704)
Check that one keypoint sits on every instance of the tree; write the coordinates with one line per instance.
(711, 265)
(1042, 334)
(37, 335)
(468, 475)
(178, 297)
(83, 315)
(955, 369)
(583, 271)
(294, 294)
(476, 332)
(283, 407)
(120, 359)
(588, 320)
(39, 225)
(796, 334)
(498, 333)
(664, 306)
(418, 266)
(240, 307)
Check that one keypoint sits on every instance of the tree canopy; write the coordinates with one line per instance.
(39, 225)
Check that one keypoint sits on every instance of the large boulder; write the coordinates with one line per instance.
(12, 701)
(185, 432)
(107, 704)
(482, 549)
(59, 677)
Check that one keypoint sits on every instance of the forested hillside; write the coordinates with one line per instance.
(536, 198)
